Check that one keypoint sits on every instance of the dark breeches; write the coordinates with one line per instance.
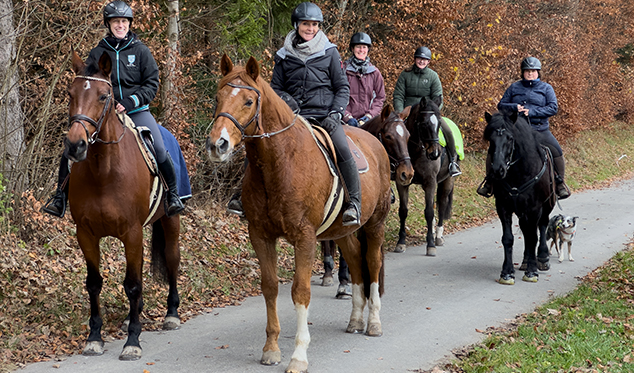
(338, 137)
(146, 119)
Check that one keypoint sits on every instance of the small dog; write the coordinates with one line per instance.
(561, 229)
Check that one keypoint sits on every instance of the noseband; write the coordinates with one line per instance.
(395, 162)
(81, 118)
(433, 140)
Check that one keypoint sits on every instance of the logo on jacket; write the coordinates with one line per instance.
(131, 60)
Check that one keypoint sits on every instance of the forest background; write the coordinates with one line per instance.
(586, 49)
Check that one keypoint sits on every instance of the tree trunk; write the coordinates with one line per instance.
(11, 116)
(168, 95)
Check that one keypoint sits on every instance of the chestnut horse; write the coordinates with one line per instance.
(109, 195)
(285, 189)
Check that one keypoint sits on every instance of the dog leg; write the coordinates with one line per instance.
(570, 252)
(560, 250)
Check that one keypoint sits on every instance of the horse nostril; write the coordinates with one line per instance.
(222, 145)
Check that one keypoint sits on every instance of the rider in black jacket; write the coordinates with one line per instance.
(135, 81)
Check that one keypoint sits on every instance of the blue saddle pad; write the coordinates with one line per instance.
(180, 168)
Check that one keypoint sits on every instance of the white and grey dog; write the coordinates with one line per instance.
(561, 229)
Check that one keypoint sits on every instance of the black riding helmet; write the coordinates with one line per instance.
(360, 38)
(531, 63)
(117, 9)
(423, 52)
(306, 12)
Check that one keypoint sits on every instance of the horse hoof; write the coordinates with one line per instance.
(124, 326)
(532, 277)
(271, 357)
(543, 266)
(327, 281)
(507, 280)
(400, 248)
(344, 292)
(171, 323)
(93, 348)
(374, 330)
(297, 366)
(523, 266)
(439, 241)
(130, 353)
(431, 251)
(355, 327)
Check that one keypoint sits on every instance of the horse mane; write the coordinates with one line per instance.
(375, 124)
(91, 69)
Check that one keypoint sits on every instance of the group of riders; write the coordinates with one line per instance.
(311, 78)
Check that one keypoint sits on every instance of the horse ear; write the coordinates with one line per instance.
(78, 64)
(105, 64)
(423, 102)
(253, 68)
(405, 113)
(437, 100)
(225, 65)
(513, 116)
(387, 110)
(487, 116)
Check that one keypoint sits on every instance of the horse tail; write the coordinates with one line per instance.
(365, 268)
(158, 263)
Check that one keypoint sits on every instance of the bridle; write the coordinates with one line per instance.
(81, 118)
(422, 141)
(509, 161)
(255, 118)
(395, 162)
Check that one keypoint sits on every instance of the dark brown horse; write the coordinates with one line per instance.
(285, 189)
(431, 166)
(109, 195)
(390, 130)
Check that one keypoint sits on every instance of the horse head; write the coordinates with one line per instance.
(499, 132)
(238, 105)
(426, 125)
(90, 96)
(394, 136)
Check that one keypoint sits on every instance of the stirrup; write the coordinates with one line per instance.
(454, 169)
(562, 191)
(56, 205)
(173, 205)
(235, 207)
(485, 189)
(351, 215)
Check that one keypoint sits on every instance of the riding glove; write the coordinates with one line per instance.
(290, 101)
(353, 122)
(364, 119)
(331, 122)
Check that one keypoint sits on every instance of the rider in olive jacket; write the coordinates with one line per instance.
(415, 83)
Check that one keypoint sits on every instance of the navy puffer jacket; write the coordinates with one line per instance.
(536, 96)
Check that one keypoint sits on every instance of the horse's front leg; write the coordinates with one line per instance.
(90, 247)
(133, 286)
(375, 237)
(403, 198)
(430, 192)
(304, 259)
(507, 277)
(529, 229)
(267, 257)
(444, 200)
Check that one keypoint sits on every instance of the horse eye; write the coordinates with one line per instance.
(249, 102)
(103, 97)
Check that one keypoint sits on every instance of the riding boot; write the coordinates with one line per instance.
(561, 188)
(454, 168)
(350, 174)
(235, 203)
(56, 205)
(486, 189)
(173, 203)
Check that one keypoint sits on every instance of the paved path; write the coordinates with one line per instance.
(431, 305)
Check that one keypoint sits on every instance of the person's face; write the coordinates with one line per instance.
(119, 27)
(360, 51)
(421, 62)
(531, 74)
(308, 29)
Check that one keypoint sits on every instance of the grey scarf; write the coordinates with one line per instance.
(306, 49)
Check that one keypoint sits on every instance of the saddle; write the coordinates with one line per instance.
(337, 195)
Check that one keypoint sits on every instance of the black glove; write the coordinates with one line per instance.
(290, 101)
(332, 121)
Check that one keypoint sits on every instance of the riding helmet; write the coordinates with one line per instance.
(423, 52)
(306, 12)
(117, 9)
(531, 63)
(360, 38)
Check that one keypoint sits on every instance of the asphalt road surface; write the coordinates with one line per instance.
(431, 305)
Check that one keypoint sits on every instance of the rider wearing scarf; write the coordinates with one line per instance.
(367, 88)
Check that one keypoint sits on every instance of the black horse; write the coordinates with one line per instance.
(431, 172)
(522, 176)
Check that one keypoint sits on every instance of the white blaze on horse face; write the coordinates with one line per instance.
(434, 121)
(234, 92)
(86, 85)
(400, 131)
(302, 336)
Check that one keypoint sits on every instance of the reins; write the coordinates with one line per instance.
(396, 162)
(81, 118)
(421, 141)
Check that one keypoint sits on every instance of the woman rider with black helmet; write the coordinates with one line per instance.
(536, 100)
(135, 81)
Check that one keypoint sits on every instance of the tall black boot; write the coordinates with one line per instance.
(486, 189)
(56, 205)
(561, 188)
(173, 204)
(350, 174)
(235, 203)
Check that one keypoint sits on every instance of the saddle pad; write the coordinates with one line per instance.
(322, 136)
(457, 137)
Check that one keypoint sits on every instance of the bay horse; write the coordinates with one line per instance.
(390, 130)
(285, 188)
(522, 177)
(109, 195)
(431, 172)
